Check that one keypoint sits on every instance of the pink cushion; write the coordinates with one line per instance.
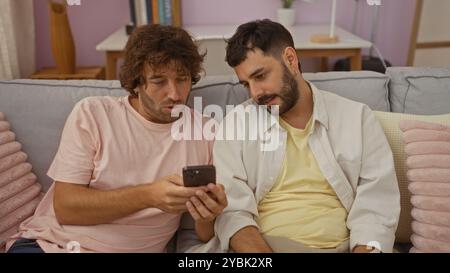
(429, 189)
(431, 217)
(17, 186)
(422, 244)
(6, 136)
(18, 216)
(428, 171)
(12, 160)
(431, 202)
(423, 148)
(9, 148)
(431, 160)
(4, 126)
(20, 199)
(19, 190)
(428, 174)
(435, 232)
(9, 224)
(14, 173)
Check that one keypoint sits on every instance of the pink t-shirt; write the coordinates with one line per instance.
(107, 145)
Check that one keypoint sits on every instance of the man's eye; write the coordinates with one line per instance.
(183, 79)
(260, 76)
(158, 82)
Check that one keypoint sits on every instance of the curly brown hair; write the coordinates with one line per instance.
(159, 46)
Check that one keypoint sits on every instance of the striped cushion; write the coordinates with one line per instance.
(429, 177)
(390, 123)
(19, 190)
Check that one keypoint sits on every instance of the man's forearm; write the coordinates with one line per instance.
(204, 230)
(249, 239)
(86, 206)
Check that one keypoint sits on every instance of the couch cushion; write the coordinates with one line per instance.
(19, 191)
(423, 91)
(428, 164)
(390, 124)
(219, 90)
(367, 87)
(38, 109)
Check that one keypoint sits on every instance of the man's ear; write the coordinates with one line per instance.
(138, 89)
(291, 59)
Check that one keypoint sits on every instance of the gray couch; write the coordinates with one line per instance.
(37, 110)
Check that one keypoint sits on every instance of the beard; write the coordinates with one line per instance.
(154, 111)
(288, 94)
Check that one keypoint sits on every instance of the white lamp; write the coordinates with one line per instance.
(331, 37)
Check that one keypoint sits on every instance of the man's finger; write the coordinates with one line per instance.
(186, 192)
(209, 202)
(178, 201)
(179, 208)
(204, 212)
(176, 179)
(193, 211)
(219, 191)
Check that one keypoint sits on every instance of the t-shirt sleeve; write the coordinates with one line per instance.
(74, 160)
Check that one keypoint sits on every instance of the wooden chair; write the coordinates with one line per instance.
(63, 49)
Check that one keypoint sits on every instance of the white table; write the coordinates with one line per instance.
(349, 45)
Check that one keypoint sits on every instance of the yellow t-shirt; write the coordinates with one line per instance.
(302, 206)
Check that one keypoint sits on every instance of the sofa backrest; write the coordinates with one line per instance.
(421, 91)
(37, 109)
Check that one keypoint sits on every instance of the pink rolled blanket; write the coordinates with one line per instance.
(428, 163)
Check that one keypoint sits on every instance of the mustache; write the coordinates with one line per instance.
(170, 103)
(265, 99)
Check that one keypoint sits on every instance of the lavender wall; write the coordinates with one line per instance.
(96, 19)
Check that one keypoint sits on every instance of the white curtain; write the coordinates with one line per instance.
(17, 39)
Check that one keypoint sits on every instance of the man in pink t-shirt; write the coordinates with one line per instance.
(117, 170)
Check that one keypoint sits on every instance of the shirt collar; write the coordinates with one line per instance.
(319, 109)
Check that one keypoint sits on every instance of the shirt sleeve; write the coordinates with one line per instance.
(375, 212)
(74, 160)
(242, 207)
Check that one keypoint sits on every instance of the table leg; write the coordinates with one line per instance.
(356, 61)
(324, 64)
(111, 65)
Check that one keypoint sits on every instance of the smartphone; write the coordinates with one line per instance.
(194, 176)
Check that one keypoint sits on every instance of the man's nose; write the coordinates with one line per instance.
(255, 90)
(173, 92)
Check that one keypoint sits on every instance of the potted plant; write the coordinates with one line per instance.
(286, 14)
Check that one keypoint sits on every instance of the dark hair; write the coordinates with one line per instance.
(157, 46)
(271, 37)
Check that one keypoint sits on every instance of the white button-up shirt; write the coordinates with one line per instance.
(352, 152)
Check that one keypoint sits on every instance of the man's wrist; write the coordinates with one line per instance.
(205, 221)
(148, 196)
